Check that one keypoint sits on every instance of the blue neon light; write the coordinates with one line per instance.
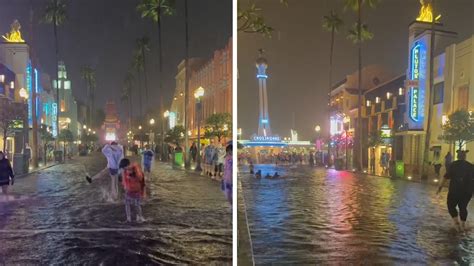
(264, 121)
(417, 94)
(262, 76)
(29, 88)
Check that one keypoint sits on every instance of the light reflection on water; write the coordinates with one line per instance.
(317, 215)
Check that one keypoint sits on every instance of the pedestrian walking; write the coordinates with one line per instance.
(133, 181)
(461, 186)
(437, 166)
(147, 160)
(227, 180)
(7, 177)
(447, 160)
(221, 155)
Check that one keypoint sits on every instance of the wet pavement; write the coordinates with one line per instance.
(58, 218)
(319, 216)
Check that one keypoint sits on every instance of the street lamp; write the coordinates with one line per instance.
(346, 120)
(198, 95)
(152, 122)
(84, 127)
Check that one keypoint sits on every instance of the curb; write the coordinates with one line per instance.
(244, 255)
(37, 170)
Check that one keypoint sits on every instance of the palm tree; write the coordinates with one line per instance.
(332, 24)
(55, 14)
(356, 6)
(88, 75)
(143, 46)
(127, 95)
(137, 65)
(186, 84)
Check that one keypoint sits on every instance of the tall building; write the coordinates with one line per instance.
(67, 103)
(263, 118)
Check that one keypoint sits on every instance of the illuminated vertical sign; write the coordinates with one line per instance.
(417, 93)
(172, 120)
(29, 88)
(54, 113)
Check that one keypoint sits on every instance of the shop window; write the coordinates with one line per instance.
(438, 94)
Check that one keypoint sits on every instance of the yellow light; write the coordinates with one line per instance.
(140, 127)
(317, 128)
(226, 127)
(89, 130)
(14, 35)
(23, 93)
(166, 114)
(152, 121)
(84, 127)
(409, 177)
(199, 92)
(436, 180)
(426, 12)
(93, 132)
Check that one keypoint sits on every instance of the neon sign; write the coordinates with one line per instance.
(416, 93)
(29, 87)
(54, 118)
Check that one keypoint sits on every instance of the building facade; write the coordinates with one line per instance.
(215, 76)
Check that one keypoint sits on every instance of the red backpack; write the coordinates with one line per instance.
(134, 179)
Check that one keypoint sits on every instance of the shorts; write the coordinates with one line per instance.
(132, 198)
(113, 171)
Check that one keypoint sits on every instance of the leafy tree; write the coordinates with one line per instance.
(218, 125)
(88, 75)
(175, 135)
(46, 137)
(374, 139)
(331, 23)
(358, 35)
(66, 136)
(137, 65)
(55, 14)
(10, 114)
(459, 128)
(250, 20)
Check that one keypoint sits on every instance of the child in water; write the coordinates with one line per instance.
(133, 181)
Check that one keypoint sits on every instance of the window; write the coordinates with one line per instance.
(438, 93)
(463, 98)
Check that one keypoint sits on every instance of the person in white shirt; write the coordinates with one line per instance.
(114, 153)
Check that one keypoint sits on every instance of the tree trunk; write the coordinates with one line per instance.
(146, 80)
(426, 152)
(329, 93)
(186, 85)
(160, 68)
(55, 28)
(140, 94)
(359, 84)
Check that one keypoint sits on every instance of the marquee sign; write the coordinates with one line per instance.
(266, 138)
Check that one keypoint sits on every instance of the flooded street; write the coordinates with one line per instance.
(316, 216)
(61, 219)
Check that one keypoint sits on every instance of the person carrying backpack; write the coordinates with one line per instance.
(461, 185)
(133, 181)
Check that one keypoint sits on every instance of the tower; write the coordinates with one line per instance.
(264, 121)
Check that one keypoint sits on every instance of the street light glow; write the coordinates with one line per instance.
(166, 114)
(317, 128)
(140, 127)
(199, 92)
(152, 121)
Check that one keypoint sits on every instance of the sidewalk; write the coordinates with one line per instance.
(244, 241)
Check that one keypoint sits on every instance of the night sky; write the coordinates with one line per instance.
(298, 56)
(102, 33)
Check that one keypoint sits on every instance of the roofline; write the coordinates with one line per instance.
(385, 83)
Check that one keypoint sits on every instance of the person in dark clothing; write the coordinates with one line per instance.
(6, 173)
(193, 151)
(461, 182)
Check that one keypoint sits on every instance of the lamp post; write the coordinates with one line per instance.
(150, 140)
(166, 114)
(317, 128)
(198, 94)
(346, 122)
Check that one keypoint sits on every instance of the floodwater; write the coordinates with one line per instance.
(58, 218)
(314, 216)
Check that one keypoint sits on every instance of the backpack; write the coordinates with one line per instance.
(134, 180)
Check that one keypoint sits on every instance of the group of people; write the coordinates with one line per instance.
(212, 158)
(130, 174)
